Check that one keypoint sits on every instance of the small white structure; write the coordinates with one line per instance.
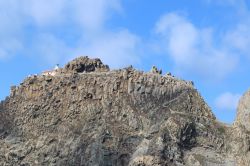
(51, 72)
(56, 67)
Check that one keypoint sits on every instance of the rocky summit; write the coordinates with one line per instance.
(88, 115)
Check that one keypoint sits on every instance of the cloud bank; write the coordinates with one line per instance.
(193, 49)
(45, 17)
(34, 28)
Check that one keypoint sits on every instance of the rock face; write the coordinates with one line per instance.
(241, 131)
(84, 64)
(243, 114)
(87, 115)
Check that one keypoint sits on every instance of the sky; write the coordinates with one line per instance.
(206, 41)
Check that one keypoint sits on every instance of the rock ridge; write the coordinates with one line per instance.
(87, 114)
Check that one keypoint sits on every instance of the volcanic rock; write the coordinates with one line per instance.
(84, 64)
(88, 115)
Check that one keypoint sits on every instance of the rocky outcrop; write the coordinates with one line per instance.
(240, 134)
(84, 64)
(243, 114)
(88, 115)
(155, 70)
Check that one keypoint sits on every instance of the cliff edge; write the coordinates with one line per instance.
(87, 114)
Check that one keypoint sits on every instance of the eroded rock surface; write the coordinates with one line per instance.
(243, 114)
(84, 64)
(88, 115)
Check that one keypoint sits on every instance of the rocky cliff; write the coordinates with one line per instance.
(85, 114)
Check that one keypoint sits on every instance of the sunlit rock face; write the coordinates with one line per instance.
(86, 114)
(243, 113)
(241, 131)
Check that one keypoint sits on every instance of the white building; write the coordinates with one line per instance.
(51, 72)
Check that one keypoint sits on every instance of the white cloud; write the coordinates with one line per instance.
(9, 46)
(193, 49)
(44, 12)
(10, 16)
(10, 28)
(92, 14)
(181, 36)
(239, 39)
(116, 49)
(227, 101)
(89, 14)
(51, 49)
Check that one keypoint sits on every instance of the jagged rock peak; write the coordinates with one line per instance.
(243, 112)
(156, 70)
(85, 64)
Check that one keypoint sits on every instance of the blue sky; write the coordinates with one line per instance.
(207, 41)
